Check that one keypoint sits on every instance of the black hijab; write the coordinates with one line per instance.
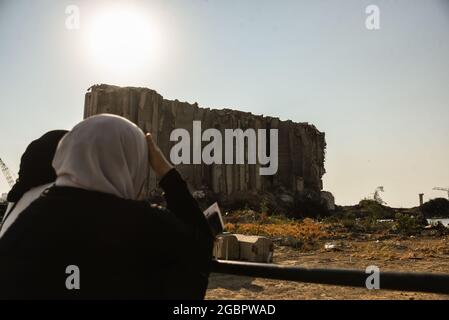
(36, 164)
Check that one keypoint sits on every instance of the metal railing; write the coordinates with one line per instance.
(402, 281)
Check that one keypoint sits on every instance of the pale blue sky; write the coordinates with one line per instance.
(382, 97)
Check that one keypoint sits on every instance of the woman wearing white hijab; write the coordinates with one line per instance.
(93, 223)
(105, 153)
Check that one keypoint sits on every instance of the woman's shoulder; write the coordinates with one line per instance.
(27, 198)
(70, 196)
(34, 193)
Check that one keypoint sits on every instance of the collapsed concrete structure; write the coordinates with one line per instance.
(301, 149)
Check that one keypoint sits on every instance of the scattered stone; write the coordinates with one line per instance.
(328, 199)
(255, 248)
(226, 247)
(333, 246)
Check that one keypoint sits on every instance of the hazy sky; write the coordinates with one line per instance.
(381, 96)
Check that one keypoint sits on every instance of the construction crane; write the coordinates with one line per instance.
(7, 173)
(442, 189)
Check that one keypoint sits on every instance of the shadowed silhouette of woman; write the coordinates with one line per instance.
(35, 175)
(91, 221)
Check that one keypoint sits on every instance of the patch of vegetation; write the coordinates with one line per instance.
(360, 225)
(305, 229)
(372, 209)
(370, 216)
(303, 234)
(436, 208)
(366, 209)
(407, 225)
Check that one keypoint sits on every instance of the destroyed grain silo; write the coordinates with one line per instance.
(301, 147)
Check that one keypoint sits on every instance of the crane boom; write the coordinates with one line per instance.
(6, 173)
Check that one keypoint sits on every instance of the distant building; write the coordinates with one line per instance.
(301, 146)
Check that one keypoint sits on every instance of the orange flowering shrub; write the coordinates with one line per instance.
(307, 229)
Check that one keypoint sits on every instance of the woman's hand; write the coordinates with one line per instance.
(158, 163)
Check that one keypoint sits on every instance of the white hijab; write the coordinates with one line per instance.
(104, 153)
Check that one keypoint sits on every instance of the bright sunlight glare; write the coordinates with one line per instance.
(122, 39)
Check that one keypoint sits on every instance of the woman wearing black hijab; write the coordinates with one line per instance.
(35, 175)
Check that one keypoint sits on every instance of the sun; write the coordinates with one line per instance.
(122, 38)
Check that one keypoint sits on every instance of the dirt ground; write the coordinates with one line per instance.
(421, 255)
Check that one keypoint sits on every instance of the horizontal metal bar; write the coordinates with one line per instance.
(401, 281)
